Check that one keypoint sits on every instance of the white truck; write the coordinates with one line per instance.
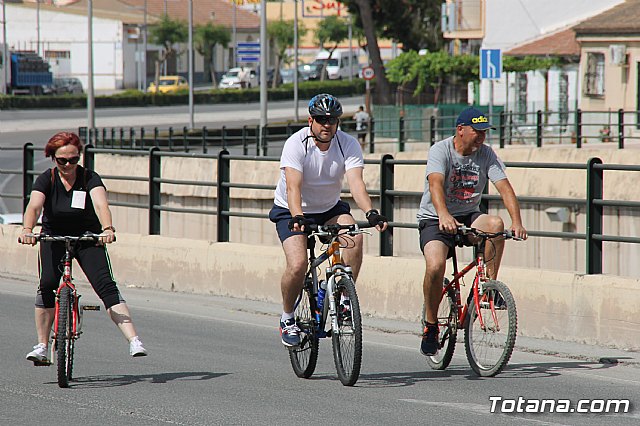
(339, 67)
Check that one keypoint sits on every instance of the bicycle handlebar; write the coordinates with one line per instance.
(506, 234)
(87, 236)
(334, 229)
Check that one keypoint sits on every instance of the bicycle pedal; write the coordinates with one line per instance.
(42, 363)
(90, 307)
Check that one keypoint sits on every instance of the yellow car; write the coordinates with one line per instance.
(169, 84)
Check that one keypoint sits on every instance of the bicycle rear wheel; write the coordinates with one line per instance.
(64, 338)
(448, 326)
(347, 338)
(489, 348)
(304, 357)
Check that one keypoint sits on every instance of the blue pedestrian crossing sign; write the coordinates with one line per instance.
(248, 52)
(490, 64)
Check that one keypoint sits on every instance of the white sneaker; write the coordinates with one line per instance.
(136, 349)
(38, 354)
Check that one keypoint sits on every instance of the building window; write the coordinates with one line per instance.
(594, 75)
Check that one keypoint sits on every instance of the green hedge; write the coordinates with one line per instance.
(306, 90)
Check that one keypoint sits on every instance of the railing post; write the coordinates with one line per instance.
(156, 134)
(372, 134)
(204, 139)
(121, 137)
(224, 193)
(594, 216)
(104, 137)
(539, 129)
(185, 140)
(154, 191)
(386, 203)
(142, 137)
(82, 134)
(27, 178)
(578, 128)
(89, 159)
(113, 138)
(170, 142)
(132, 137)
(257, 140)
(223, 135)
(265, 137)
(502, 128)
(432, 129)
(620, 128)
(401, 134)
(245, 148)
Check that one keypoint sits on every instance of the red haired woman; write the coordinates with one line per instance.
(74, 201)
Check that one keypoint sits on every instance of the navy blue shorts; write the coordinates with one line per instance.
(429, 230)
(281, 216)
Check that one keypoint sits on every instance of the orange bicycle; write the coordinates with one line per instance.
(488, 316)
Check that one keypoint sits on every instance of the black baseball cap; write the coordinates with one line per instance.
(474, 118)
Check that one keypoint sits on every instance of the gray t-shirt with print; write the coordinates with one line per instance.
(465, 177)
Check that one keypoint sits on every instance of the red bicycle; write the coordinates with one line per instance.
(67, 324)
(488, 316)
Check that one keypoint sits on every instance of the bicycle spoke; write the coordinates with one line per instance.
(347, 337)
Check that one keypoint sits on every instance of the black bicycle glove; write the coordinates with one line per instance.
(375, 218)
(299, 219)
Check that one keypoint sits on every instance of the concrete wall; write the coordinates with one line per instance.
(546, 253)
(600, 310)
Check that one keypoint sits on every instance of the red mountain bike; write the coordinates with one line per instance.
(488, 316)
(67, 323)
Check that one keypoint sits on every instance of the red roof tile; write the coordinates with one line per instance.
(560, 43)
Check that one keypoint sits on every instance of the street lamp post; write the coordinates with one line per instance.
(190, 51)
(295, 60)
(6, 61)
(91, 119)
(263, 68)
(144, 54)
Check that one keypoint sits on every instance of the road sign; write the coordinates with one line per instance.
(490, 64)
(248, 52)
(368, 73)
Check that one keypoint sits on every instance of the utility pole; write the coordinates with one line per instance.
(295, 61)
(91, 119)
(190, 51)
(263, 68)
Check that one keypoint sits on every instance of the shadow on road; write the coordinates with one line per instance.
(519, 371)
(114, 380)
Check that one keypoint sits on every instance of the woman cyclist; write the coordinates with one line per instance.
(74, 201)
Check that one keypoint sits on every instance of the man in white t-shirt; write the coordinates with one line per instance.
(362, 122)
(313, 164)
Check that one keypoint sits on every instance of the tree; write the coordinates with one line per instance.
(282, 36)
(333, 30)
(363, 11)
(206, 38)
(167, 32)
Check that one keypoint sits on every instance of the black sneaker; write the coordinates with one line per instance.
(429, 345)
(290, 333)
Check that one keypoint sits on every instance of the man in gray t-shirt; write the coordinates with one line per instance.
(458, 170)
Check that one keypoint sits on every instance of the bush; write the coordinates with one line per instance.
(306, 90)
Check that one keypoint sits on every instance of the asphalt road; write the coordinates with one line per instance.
(215, 360)
(18, 127)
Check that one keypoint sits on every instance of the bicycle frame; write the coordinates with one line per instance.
(67, 282)
(476, 291)
(335, 269)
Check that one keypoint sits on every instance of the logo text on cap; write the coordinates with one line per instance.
(481, 119)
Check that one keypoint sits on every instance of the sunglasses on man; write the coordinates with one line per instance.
(63, 161)
(323, 120)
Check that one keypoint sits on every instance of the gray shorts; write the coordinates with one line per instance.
(429, 230)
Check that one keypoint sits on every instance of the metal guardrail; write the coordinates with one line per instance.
(593, 203)
(537, 128)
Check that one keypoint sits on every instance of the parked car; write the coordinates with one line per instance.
(169, 84)
(312, 71)
(70, 85)
(239, 78)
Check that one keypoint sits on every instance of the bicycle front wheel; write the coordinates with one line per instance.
(304, 357)
(347, 337)
(64, 338)
(448, 326)
(491, 331)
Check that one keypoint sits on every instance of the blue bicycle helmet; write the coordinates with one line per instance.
(325, 105)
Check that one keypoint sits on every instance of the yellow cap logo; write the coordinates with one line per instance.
(481, 119)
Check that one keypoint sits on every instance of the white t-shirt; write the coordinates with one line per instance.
(322, 171)
(362, 119)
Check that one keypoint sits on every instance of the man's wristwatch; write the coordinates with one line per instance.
(110, 227)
